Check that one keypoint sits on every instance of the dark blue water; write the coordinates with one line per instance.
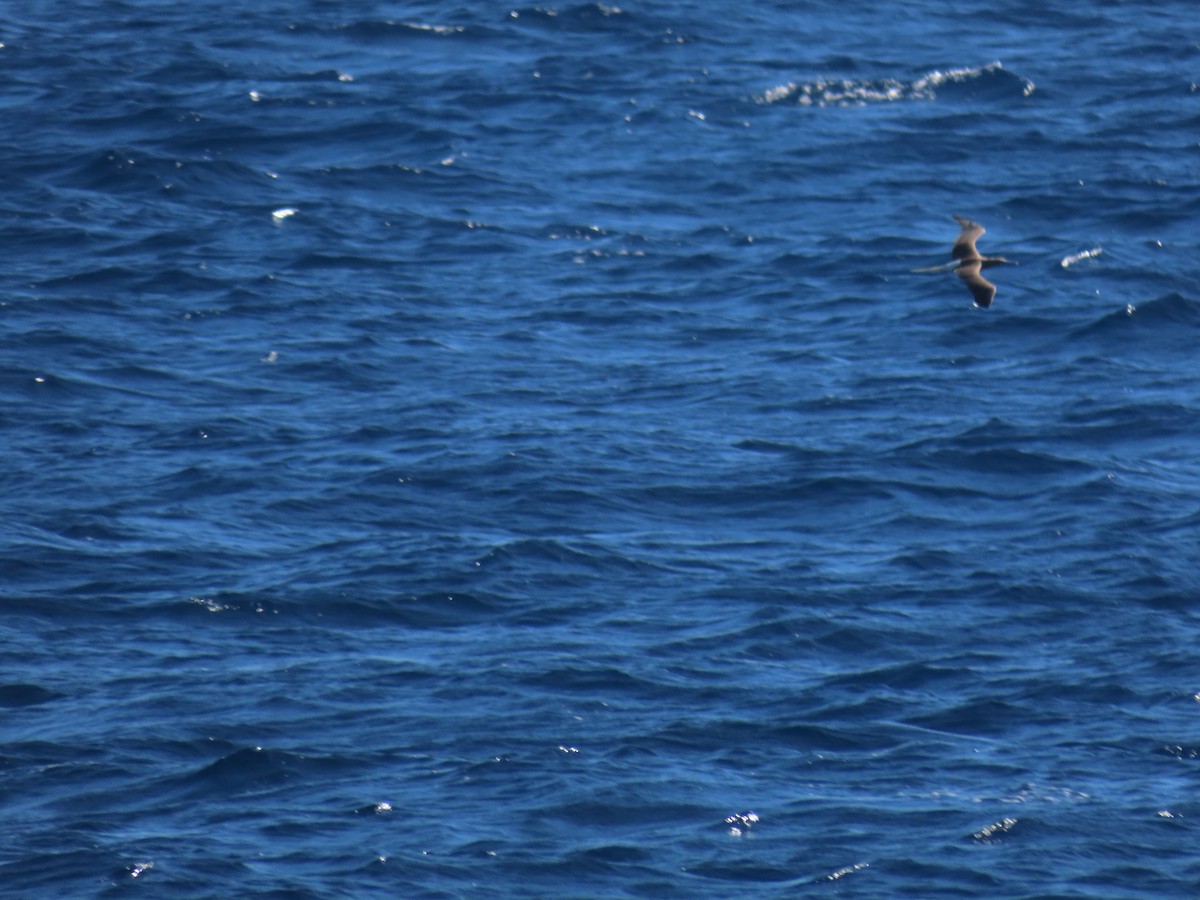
(472, 451)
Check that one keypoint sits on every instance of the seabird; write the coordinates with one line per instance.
(967, 263)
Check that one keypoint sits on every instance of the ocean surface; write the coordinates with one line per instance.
(465, 450)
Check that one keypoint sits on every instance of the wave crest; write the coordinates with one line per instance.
(992, 81)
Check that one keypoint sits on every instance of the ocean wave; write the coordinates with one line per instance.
(578, 476)
(580, 16)
(1073, 258)
(992, 82)
(1170, 318)
(19, 695)
(391, 29)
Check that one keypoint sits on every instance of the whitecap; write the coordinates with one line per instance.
(1068, 261)
(992, 78)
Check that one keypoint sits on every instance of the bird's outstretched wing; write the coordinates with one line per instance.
(964, 247)
(981, 289)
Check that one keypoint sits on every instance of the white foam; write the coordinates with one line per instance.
(862, 92)
(1068, 261)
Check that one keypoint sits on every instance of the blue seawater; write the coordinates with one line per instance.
(457, 450)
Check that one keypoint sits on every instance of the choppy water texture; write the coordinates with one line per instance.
(467, 451)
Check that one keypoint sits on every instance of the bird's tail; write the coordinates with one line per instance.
(942, 268)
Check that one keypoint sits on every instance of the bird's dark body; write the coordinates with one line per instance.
(971, 263)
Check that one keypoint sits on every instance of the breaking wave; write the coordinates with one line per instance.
(992, 81)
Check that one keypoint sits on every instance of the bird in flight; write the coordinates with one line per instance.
(968, 264)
